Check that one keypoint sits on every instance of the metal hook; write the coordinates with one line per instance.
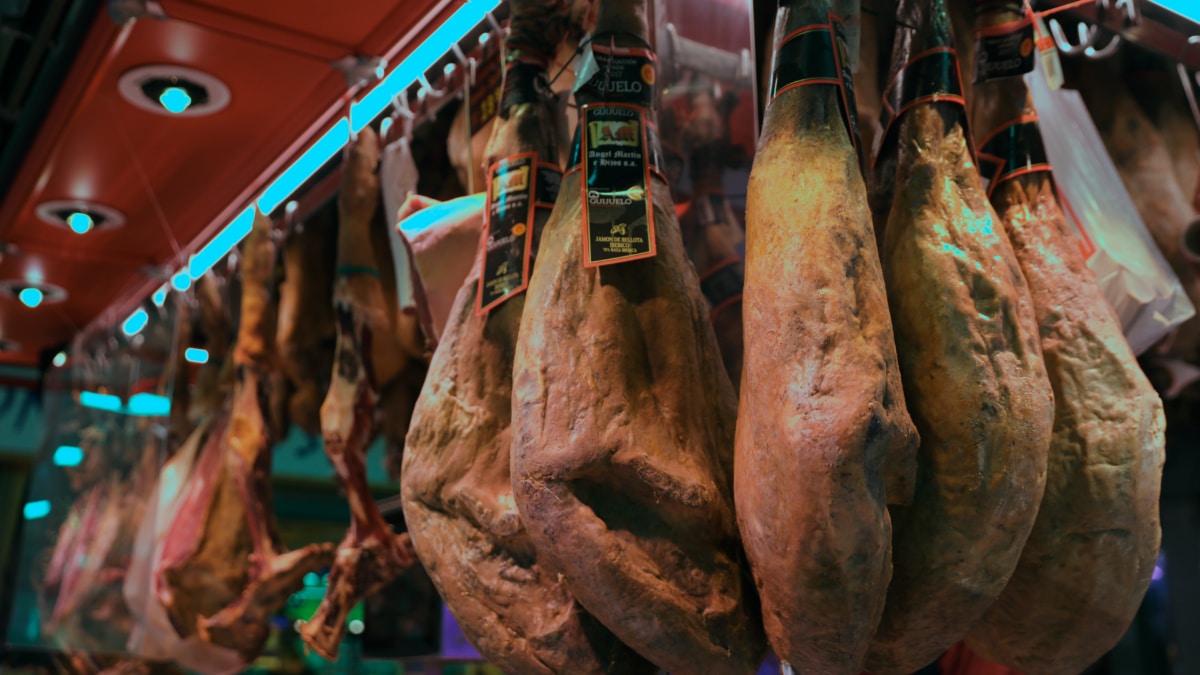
(428, 88)
(491, 19)
(1132, 16)
(403, 113)
(1106, 51)
(1087, 35)
(467, 63)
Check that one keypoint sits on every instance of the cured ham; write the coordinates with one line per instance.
(624, 416)
(822, 417)
(974, 378)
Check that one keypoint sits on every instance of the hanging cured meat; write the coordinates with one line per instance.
(1144, 164)
(822, 408)
(711, 232)
(371, 555)
(458, 499)
(967, 339)
(223, 569)
(306, 334)
(622, 451)
(1088, 561)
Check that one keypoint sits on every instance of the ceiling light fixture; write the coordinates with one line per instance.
(194, 355)
(32, 294)
(31, 297)
(79, 216)
(60, 359)
(68, 455)
(170, 89)
(175, 99)
(38, 509)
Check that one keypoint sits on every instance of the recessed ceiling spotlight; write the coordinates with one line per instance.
(32, 294)
(169, 89)
(79, 216)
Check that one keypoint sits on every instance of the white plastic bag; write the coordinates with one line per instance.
(398, 179)
(1137, 280)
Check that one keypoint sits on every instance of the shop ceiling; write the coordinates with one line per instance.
(67, 134)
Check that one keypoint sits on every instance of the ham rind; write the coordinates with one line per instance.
(622, 448)
(974, 379)
(456, 484)
(1089, 559)
(822, 410)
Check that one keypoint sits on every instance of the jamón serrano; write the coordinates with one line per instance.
(970, 359)
(456, 484)
(624, 420)
(1088, 561)
(822, 408)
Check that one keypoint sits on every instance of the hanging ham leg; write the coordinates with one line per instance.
(1088, 561)
(822, 407)
(223, 570)
(458, 496)
(972, 367)
(622, 452)
(371, 555)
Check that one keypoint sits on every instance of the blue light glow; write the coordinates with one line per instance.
(194, 355)
(175, 99)
(303, 168)
(221, 244)
(31, 297)
(68, 455)
(149, 405)
(160, 296)
(80, 223)
(181, 282)
(429, 215)
(60, 359)
(136, 322)
(107, 402)
(418, 61)
(38, 509)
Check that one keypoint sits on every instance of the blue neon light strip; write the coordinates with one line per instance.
(107, 402)
(303, 168)
(68, 455)
(136, 322)
(146, 405)
(418, 61)
(221, 244)
(38, 509)
(194, 355)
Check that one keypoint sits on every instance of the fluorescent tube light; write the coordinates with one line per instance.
(194, 355)
(136, 322)
(223, 243)
(68, 455)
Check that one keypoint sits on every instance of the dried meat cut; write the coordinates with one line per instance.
(822, 417)
(711, 232)
(456, 486)
(1089, 559)
(623, 414)
(223, 569)
(971, 363)
(367, 355)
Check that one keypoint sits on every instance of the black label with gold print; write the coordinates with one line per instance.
(618, 213)
(508, 219)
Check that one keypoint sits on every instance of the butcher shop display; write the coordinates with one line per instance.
(824, 440)
(1093, 548)
(627, 337)
(970, 358)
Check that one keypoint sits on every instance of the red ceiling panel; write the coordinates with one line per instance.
(178, 179)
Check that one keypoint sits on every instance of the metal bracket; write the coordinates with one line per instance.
(126, 11)
(358, 69)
